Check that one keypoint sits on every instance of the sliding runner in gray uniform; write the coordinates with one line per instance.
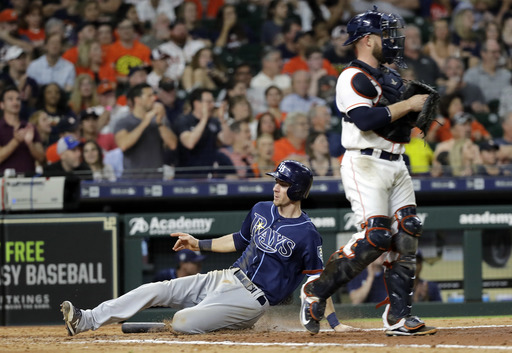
(280, 246)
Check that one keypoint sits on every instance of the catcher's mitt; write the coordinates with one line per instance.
(427, 115)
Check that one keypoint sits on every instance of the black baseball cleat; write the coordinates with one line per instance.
(311, 311)
(410, 326)
(72, 316)
(405, 331)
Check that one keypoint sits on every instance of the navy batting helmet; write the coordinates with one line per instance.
(387, 26)
(297, 175)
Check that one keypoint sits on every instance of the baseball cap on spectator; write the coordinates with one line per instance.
(157, 54)
(167, 84)
(8, 15)
(67, 124)
(489, 145)
(338, 31)
(187, 255)
(105, 87)
(461, 118)
(88, 113)
(14, 52)
(67, 143)
(134, 69)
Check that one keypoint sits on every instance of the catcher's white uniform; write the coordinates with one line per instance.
(374, 186)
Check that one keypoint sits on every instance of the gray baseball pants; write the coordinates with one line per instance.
(224, 299)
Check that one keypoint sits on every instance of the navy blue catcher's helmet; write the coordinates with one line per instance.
(297, 175)
(387, 26)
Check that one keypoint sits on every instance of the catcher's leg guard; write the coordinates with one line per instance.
(399, 276)
(409, 230)
(399, 279)
(342, 268)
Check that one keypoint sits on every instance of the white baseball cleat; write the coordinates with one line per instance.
(72, 316)
(309, 305)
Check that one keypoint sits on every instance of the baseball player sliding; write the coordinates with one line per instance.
(280, 246)
(376, 124)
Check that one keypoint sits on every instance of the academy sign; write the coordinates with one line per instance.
(486, 218)
(163, 226)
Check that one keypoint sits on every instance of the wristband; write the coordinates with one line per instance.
(332, 320)
(205, 245)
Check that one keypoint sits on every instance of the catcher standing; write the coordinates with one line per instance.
(377, 122)
(280, 246)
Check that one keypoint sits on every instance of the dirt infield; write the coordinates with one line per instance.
(271, 335)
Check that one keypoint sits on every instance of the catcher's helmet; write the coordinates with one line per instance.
(297, 175)
(387, 26)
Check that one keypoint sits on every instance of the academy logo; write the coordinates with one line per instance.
(486, 218)
(158, 226)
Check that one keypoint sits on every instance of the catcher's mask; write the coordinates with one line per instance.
(297, 175)
(388, 26)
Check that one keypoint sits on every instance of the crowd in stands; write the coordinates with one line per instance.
(111, 89)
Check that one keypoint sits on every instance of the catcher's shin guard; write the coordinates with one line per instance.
(399, 276)
(399, 279)
(341, 268)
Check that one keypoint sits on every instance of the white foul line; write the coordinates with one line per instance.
(315, 344)
(295, 344)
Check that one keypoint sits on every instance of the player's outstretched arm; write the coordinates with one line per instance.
(187, 241)
(330, 314)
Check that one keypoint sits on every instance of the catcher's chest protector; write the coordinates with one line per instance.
(392, 88)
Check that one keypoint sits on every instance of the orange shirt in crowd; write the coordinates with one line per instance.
(105, 73)
(297, 63)
(283, 148)
(35, 35)
(122, 58)
(121, 100)
(443, 133)
(71, 55)
(256, 169)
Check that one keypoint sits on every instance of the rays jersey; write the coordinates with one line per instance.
(388, 85)
(278, 251)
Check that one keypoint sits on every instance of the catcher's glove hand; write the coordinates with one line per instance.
(427, 115)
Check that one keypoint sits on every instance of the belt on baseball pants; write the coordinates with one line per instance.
(251, 287)
(383, 154)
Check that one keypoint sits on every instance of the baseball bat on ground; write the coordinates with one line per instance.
(143, 327)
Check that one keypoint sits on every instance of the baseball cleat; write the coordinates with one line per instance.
(410, 326)
(72, 316)
(309, 306)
